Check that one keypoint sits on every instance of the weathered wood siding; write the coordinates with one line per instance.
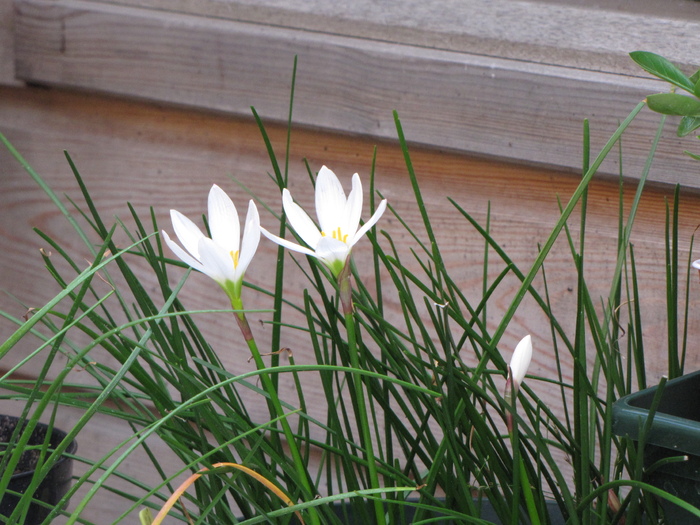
(7, 44)
(467, 92)
(168, 158)
(471, 87)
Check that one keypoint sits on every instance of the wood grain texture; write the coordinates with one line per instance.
(508, 109)
(168, 158)
(7, 44)
(586, 35)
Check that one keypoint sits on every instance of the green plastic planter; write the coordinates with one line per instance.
(674, 432)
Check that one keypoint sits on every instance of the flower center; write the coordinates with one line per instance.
(337, 234)
(234, 258)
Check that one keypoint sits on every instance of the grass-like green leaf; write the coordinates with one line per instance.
(423, 389)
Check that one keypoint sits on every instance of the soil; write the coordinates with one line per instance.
(30, 457)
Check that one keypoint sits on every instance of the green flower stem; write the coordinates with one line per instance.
(520, 479)
(276, 406)
(527, 492)
(345, 292)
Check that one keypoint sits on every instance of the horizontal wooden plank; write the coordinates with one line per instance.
(167, 158)
(592, 35)
(149, 156)
(501, 108)
(7, 44)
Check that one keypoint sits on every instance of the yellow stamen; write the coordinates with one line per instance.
(234, 257)
(337, 234)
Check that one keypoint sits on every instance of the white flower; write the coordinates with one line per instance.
(520, 362)
(338, 217)
(696, 264)
(223, 257)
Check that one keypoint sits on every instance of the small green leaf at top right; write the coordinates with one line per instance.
(688, 125)
(662, 68)
(674, 104)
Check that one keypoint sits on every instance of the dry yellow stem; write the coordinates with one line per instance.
(194, 477)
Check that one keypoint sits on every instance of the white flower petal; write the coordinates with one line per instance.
(338, 216)
(218, 257)
(331, 250)
(223, 220)
(287, 244)
(520, 362)
(353, 208)
(217, 262)
(696, 264)
(182, 254)
(251, 239)
(330, 200)
(187, 232)
(300, 220)
(371, 222)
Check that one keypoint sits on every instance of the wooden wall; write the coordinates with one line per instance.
(458, 79)
(166, 157)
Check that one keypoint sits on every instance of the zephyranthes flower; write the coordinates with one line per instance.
(338, 218)
(520, 362)
(224, 257)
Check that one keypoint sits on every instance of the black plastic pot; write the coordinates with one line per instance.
(53, 487)
(675, 431)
